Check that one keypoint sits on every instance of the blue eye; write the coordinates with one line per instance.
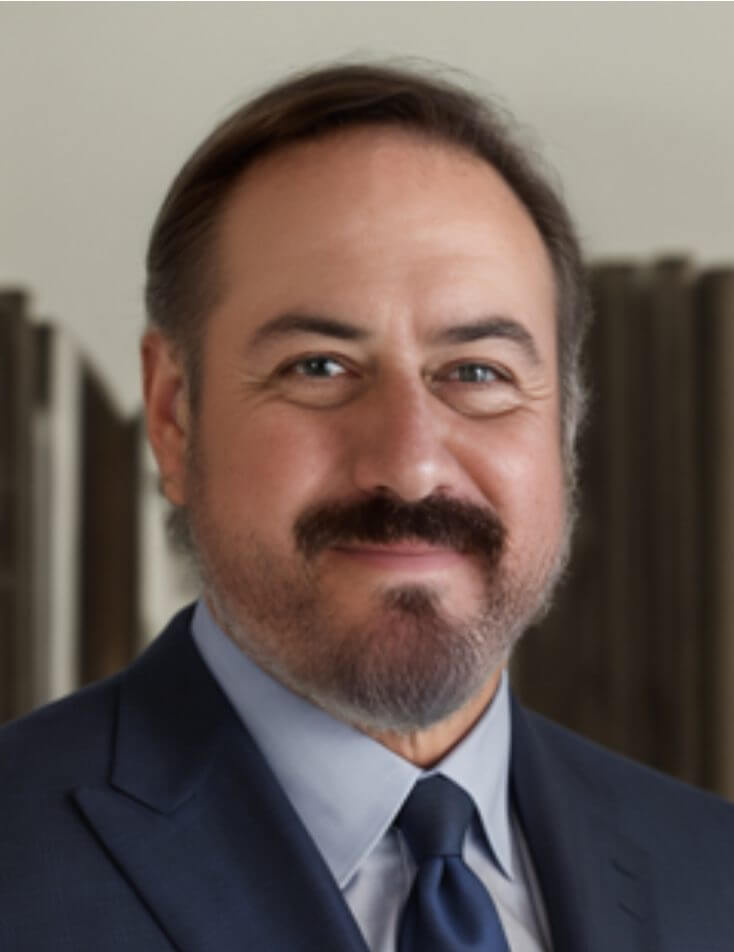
(318, 366)
(317, 380)
(474, 373)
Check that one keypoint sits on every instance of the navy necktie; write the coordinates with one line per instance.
(448, 909)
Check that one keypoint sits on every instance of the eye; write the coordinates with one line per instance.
(316, 366)
(476, 388)
(317, 380)
(474, 373)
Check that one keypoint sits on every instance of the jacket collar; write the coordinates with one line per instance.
(196, 821)
(595, 880)
(190, 801)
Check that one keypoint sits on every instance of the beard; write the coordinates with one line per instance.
(408, 661)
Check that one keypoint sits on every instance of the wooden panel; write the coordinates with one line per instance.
(109, 534)
(626, 654)
(16, 394)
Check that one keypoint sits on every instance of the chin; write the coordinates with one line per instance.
(404, 667)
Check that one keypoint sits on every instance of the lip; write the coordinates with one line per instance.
(406, 556)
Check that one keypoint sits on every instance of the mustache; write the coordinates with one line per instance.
(437, 519)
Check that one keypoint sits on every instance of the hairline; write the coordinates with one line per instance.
(213, 282)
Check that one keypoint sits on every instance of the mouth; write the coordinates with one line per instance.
(410, 556)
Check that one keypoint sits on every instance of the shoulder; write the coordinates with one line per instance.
(50, 854)
(44, 757)
(67, 739)
(70, 742)
(646, 801)
(629, 838)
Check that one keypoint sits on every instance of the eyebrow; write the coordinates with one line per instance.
(297, 323)
(486, 327)
(503, 327)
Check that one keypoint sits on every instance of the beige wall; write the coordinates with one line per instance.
(100, 102)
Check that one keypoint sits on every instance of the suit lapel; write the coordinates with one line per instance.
(197, 823)
(195, 820)
(595, 882)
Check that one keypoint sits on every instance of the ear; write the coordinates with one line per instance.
(167, 411)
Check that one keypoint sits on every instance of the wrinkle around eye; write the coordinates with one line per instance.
(481, 403)
(496, 395)
(293, 382)
(493, 398)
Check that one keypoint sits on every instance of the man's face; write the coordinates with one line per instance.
(373, 474)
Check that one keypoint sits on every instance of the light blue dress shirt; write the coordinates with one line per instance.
(347, 789)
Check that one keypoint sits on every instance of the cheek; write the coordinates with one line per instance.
(262, 466)
(519, 471)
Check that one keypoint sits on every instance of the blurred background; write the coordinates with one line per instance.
(630, 105)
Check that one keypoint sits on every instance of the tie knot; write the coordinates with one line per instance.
(435, 818)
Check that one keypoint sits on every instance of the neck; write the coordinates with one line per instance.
(427, 747)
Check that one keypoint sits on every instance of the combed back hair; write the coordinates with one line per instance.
(182, 283)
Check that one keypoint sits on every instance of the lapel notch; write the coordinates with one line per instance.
(197, 823)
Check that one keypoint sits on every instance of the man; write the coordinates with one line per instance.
(361, 384)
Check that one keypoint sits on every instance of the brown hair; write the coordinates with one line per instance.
(181, 285)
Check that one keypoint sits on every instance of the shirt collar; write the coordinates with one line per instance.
(346, 787)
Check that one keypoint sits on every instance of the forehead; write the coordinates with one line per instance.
(383, 222)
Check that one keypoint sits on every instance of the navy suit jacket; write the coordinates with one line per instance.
(139, 815)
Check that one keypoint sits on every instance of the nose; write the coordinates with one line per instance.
(398, 442)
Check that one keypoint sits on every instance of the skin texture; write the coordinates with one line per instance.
(394, 242)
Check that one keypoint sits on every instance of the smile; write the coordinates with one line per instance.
(401, 556)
